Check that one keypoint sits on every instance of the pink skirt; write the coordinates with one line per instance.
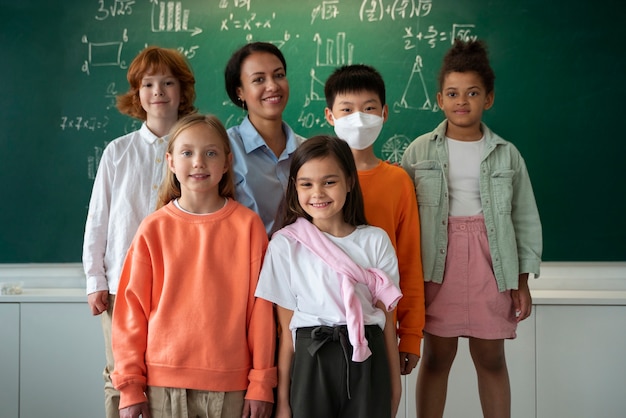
(468, 303)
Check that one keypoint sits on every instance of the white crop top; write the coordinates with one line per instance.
(464, 172)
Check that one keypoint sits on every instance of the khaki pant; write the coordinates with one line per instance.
(184, 403)
(111, 395)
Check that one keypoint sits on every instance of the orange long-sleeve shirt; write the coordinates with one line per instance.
(390, 204)
(185, 314)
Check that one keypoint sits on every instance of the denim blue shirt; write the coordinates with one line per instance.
(260, 177)
(509, 208)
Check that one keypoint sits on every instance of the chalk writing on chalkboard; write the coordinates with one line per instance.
(94, 160)
(118, 8)
(376, 10)
(325, 11)
(104, 54)
(247, 19)
(394, 147)
(170, 16)
(410, 99)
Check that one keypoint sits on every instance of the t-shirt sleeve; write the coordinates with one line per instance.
(275, 279)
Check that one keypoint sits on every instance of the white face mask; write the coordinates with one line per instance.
(358, 129)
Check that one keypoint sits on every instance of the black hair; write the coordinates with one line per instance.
(468, 56)
(352, 79)
(232, 72)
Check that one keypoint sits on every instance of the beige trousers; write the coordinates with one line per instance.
(184, 403)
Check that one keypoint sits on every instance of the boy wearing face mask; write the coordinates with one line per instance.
(356, 107)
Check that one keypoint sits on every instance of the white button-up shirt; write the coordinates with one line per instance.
(124, 192)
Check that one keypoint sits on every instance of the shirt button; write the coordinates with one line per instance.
(158, 160)
(442, 251)
(154, 187)
(160, 140)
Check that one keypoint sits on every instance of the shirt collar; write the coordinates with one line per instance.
(148, 136)
(254, 141)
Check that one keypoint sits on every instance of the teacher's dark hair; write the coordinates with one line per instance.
(232, 72)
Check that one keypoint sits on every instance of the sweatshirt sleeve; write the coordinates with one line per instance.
(261, 328)
(130, 328)
(411, 310)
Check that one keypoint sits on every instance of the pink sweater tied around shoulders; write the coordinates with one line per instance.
(349, 274)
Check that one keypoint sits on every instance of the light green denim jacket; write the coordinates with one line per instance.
(509, 208)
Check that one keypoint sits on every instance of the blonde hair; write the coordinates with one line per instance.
(170, 187)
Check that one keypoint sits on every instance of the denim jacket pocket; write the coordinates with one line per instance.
(502, 181)
(428, 182)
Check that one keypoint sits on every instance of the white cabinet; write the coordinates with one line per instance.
(567, 361)
(9, 359)
(581, 367)
(463, 400)
(61, 361)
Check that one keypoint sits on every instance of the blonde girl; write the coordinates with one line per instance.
(189, 338)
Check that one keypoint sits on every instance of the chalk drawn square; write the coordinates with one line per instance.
(107, 53)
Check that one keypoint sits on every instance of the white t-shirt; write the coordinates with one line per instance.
(464, 176)
(296, 279)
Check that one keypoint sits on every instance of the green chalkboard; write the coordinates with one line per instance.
(560, 70)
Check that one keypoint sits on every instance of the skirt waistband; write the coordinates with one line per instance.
(466, 223)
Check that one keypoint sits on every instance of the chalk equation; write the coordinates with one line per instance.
(374, 10)
(434, 36)
(377, 10)
(114, 9)
(84, 123)
(246, 23)
(237, 4)
(326, 11)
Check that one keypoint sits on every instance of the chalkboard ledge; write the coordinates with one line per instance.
(576, 283)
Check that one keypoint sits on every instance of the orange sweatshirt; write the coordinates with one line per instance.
(185, 314)
(390, 204)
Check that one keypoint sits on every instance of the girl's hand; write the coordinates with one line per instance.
(257, 409)
(522, 300)
(136, 411)
(283, 411)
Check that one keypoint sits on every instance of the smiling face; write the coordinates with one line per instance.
(463, 98)
(159, 95)
(199, 160)
(264, 86)
(322, 188)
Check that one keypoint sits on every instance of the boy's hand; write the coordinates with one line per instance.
(408, 361)
(98, 301)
